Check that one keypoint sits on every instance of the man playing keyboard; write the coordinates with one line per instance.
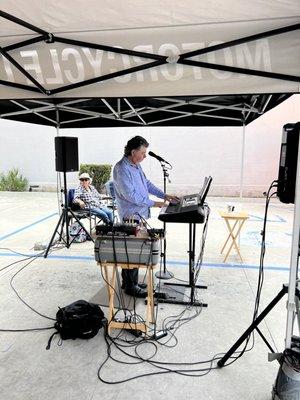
(132, 190)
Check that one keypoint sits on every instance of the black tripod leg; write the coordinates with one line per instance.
(54, 233)
(253, 326)
(78, 220)
(67, 221)
(265, 340)
(61, 229)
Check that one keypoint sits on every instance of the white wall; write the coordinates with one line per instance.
(193, 152)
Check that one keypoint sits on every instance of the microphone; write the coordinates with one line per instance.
(159, 158)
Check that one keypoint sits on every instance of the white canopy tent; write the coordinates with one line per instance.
(190, 49)
(140, 63)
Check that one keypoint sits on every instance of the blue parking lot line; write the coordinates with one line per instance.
(27, 226)
(169, 263)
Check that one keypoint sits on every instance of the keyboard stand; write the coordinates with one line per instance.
(191, 284)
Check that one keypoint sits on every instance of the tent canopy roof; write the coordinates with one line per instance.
(101, 15)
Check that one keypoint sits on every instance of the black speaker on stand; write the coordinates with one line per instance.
(285, 385)
(288, 163)
(66, 160)
(66, 154)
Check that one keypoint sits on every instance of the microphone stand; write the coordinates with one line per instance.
(164, 274)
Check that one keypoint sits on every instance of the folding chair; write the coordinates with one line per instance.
(81, 213)
(111, 197)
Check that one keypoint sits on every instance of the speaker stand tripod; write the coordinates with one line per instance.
(254, 325)
(64, 222)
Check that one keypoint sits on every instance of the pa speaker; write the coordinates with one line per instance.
(66, 154)
(288, 163)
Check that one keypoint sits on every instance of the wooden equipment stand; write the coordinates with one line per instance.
(109, 272)
(237, 220)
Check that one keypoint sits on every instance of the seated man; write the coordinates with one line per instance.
(87, 196)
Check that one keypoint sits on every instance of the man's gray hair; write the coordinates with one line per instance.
(135, 143)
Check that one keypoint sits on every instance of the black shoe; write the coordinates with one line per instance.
(141, 285)
(136, 291)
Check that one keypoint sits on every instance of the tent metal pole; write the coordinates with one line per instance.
(245, 39)
(242, 160)
(293, 277)
(238, 70)
(58, 173)
(57, 121)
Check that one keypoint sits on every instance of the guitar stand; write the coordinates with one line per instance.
(174, 299)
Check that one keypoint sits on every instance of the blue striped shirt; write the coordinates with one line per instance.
(132, 190)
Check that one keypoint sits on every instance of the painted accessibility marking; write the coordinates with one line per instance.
(275, 218)
(273, 239)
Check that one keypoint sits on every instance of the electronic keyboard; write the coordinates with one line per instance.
(189, 208)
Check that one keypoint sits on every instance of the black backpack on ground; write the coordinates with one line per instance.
(78, 320)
